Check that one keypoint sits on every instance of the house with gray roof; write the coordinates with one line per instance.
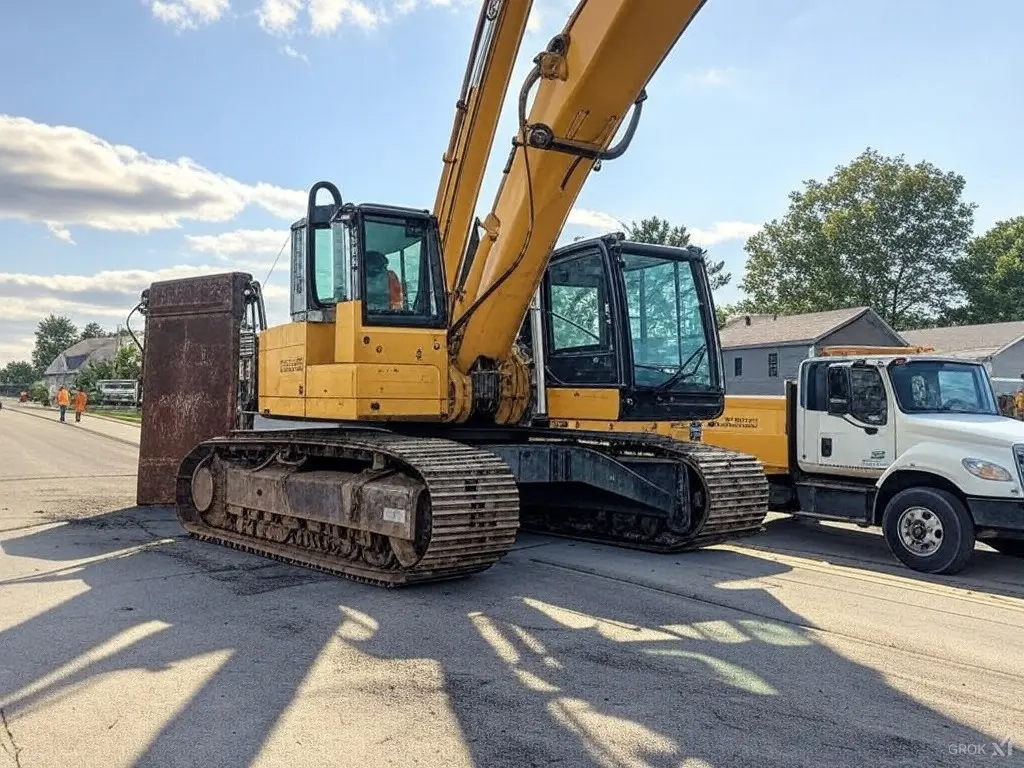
(71, 361)
(760, 352)
(1000, 346)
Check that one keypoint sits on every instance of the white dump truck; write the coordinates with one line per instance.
(914, 443)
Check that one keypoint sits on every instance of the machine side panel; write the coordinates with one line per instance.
(755, 425)
(190, 374)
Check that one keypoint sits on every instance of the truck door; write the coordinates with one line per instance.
(811, 409)
(856, 436)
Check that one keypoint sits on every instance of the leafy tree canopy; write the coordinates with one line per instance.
(53, 335)
(878, 232)
(93, 331)
(992, 276)
(18, 372)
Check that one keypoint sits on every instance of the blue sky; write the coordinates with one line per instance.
(141, 139)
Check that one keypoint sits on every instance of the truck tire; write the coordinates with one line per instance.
(1012, 547)
(929, 530)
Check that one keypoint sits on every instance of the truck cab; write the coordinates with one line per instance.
(915, 443)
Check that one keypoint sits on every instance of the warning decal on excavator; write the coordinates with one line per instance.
(394, 515)
(291, 364)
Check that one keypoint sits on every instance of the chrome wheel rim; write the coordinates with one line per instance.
(920, 531)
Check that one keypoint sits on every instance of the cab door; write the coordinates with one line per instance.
(582, 351)
(856, 435)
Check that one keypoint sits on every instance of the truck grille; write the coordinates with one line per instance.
(1018, 452)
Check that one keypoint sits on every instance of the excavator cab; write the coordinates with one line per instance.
(386, 258)
(629, 333)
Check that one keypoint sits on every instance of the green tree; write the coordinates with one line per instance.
(128, 362)
(724, 312)
(660, 232)
(93, 331)
(53, 335)
(878, 232)
(17, 372)
(991, 278)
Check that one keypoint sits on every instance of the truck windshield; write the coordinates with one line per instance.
(666, 324)
(933, 386)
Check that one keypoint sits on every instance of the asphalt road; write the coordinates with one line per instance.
(122, 642)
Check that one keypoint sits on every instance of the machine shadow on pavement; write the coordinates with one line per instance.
(988, 571)
(530, 663)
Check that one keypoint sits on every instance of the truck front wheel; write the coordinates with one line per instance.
(929, 530)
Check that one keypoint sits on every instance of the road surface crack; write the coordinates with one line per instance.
(13, 750)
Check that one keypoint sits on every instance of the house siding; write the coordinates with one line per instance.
(1009, 363)
(755, 379)
(867, 330)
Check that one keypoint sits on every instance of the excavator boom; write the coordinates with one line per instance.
(496, 42)
(587, 79)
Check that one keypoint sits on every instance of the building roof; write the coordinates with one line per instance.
(77, 355)
(969, 342)
(769, 330)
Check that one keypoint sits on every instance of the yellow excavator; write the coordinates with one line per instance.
(409, 420)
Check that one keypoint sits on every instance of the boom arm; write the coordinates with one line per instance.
(589, 76)
(496, 42)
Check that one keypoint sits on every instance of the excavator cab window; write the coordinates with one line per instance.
(332, 265)
(666, 323)
(580, 336)
(401, 277)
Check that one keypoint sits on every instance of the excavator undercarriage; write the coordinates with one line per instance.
(392, 509)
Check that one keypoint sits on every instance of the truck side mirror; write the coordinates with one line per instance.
(838, 390)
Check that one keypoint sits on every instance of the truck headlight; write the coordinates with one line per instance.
(986, 470)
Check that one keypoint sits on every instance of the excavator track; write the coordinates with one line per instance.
(731, 498)
(469, 522)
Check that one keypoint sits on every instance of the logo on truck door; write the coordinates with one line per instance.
(877, 458)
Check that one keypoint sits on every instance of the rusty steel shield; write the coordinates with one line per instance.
(190, 373)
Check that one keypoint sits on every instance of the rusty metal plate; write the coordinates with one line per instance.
(190, 374)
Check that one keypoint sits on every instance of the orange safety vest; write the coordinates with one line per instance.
(80, 400)
(63, 398)
(395, 290)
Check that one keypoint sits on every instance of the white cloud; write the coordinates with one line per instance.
(59, 232)
(61, 175)
(593, 219)
(105, 297)
(722, 231)
(278, 17)
(534, 21)
(189, 14)
(719, 232)
(119, 288)
(327, 15)
(240, 241)
(292, 53)
(714, 77)
(16, 347)
(282, 17)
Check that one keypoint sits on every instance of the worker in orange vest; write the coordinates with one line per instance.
(63, 400)
(80, 400)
